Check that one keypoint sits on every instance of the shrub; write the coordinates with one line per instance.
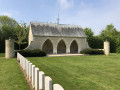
(92, 51)
(32, 53)
(118, 49)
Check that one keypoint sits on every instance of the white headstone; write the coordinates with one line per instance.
(57, 87)
(41, 80)
(33, 76)
(26, 65)
(30, 71)
(36, 78)
(48, 83)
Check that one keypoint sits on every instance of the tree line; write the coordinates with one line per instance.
(110, 33)
(9, 27)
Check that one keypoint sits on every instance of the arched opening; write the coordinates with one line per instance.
(48, 47)
(74, 47)
(61, 47)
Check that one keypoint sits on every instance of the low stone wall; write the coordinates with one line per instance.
(37, 78)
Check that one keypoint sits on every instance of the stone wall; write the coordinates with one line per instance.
(38, 42)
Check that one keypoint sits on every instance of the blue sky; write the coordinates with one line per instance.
(95, 14)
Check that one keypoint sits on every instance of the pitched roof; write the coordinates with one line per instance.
(50, 29)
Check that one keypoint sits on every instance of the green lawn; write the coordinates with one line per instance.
(82, 72)
(11, 77)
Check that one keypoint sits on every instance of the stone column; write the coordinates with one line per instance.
(54, 49)
(68, 49)
(79, 48)
(106, 48)
(9, 49)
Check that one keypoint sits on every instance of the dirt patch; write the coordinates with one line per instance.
(25, 76)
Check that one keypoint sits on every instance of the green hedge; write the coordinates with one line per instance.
(32, 53)
(92, 51)
(118, 50)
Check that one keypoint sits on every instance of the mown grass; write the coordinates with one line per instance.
(11, 77)
(82, 72)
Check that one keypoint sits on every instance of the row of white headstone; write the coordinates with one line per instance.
(37, 78)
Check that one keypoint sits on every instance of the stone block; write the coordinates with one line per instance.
(36, 78)
(9, 49)
(33, 76)
(30, 71)
(57, 87)
(26, 61)
(106, 48)
(41, 80)
(48, 83)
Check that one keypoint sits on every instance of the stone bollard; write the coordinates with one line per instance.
(106, 48)
(33, 76)
(41, 80)
(48, 83)
(57, 87)
(9, 49)
(36, 78)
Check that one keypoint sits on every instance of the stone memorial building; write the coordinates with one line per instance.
(56, 38)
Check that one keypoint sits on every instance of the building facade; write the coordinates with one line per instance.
(56, 38)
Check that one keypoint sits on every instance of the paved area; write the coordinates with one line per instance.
(59, 55)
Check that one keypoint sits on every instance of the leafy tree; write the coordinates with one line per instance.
(89, 33)
(111, 34)
(97, 42)
(7, 29)
(8, 21)
(118, 43)
(21, 33)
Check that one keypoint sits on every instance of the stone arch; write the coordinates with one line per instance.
(48, 46)
(74, 47)
(61, 47)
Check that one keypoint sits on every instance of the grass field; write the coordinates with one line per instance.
(11, 77)
(82, 72)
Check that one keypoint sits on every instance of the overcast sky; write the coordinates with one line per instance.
(95, 14)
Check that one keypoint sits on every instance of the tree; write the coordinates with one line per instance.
(89, 33)
(7, 29)
(111, 34)
(21, 33)
(8, 21)
(97, 42)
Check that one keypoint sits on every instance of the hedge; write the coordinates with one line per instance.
(32, 53)
(92, 51)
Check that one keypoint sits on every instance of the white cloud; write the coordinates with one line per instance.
(17, 12)
(10, 13)
(94, 15)
(7, 13)
(66, 4)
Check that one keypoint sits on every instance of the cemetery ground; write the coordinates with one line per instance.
(96, 72)
(11, 77)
